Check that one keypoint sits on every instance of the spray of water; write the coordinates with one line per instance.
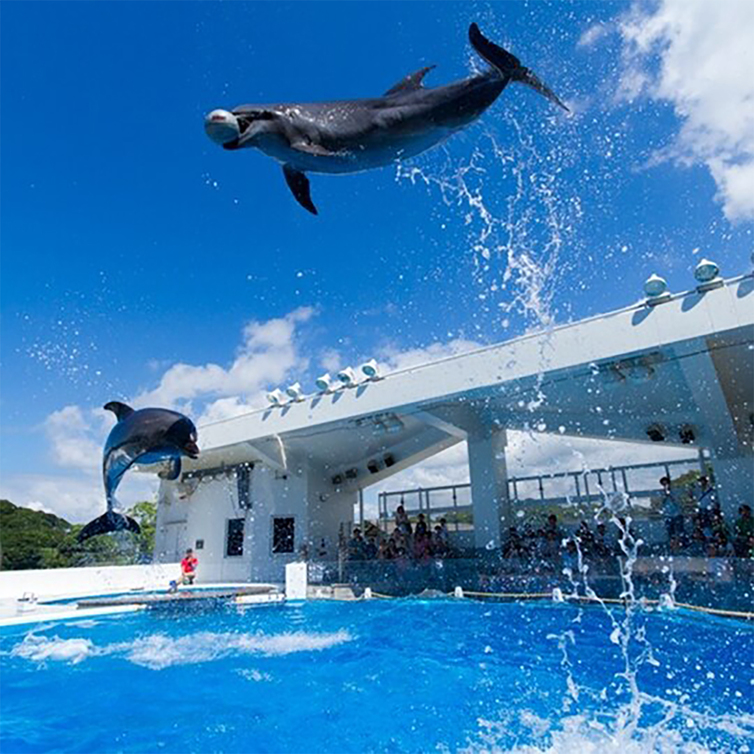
(518, 213)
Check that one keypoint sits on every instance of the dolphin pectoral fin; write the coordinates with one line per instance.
(308, 148)
(508, 65)
(411, 82)
(106, 523)
(173, 471)
(298, 183)
(121, 410)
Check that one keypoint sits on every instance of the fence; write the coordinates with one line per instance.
(579, 489)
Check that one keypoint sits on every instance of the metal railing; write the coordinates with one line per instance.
(639, 482)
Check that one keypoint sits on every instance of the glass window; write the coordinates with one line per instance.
(243, 480)
(234, 539)
(282, 534)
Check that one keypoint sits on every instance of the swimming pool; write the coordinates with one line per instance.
(404, 675)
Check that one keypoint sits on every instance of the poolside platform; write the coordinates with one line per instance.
(183, 597)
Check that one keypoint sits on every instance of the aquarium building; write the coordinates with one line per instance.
(671, 369)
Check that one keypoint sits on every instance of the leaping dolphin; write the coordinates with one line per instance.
(349, 136)
(149, 435)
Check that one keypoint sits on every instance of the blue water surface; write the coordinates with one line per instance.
(404, 675)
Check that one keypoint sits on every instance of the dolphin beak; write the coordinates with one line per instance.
(191, 449)
(222, 126)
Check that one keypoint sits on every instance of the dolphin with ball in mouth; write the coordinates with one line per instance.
(349, 136)
(149, 435)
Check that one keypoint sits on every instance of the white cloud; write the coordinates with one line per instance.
(72, 439)
(593, 34)
(706, 57)
(266, 355)
(392, 358)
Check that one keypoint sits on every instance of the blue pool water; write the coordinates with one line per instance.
(388, 676)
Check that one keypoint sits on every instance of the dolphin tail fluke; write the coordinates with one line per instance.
(509, 66)
(108, 522)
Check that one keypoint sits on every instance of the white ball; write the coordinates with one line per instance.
(222, 126)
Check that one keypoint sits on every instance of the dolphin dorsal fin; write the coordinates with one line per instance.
(410, 83)
(121, 410)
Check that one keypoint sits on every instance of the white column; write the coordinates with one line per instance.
(489, 486)
(733, 464)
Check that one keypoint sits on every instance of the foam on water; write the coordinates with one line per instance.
(157, 651)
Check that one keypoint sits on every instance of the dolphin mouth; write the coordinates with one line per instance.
(191, 449)
(222, 127)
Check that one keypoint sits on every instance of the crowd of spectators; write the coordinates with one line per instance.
(704, 531)
(417, 542)
(699, 529)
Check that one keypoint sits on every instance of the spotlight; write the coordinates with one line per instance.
(294, 391)
(388, 459)
(707, 275)
(655, 286)
(337, 479)
(656, 432)
(687, 434)
(324, 383)
(276, 397)
(706, 271)
(347, 376)
(351, 473)
(373, 466)
(371, 370)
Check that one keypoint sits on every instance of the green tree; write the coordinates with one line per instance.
(145, 514)
(32, 539)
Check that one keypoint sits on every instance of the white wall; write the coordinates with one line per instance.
(63, 582)
(213, 502)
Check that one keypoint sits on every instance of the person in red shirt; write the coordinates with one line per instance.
(188, 567)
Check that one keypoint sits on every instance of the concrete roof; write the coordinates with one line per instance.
(685, 362)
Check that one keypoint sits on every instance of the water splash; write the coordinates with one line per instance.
(158, 651)
(518, 213)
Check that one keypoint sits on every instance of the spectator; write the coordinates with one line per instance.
(444, 532)
(603, 546)
(743, 533)
(672, 514)
(356, 546)
(421, 525)
(707, 501)
(571, 558)
(585, 538)
(439, 542)
(422, 547)
(513, 546)
(401, 520)
(370, 548)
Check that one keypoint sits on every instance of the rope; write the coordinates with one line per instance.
(586, 598)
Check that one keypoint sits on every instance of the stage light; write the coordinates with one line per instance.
(706, 271)
(347, 376)
(276, 397)
(371, 370)
(656, 432)
(295, 392)
(655, 286)
(324, 383)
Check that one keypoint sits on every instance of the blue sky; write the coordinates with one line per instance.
(131, 243)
